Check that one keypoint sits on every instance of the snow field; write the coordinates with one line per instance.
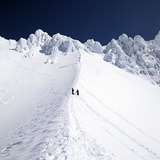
(109, 115)
(115, 117)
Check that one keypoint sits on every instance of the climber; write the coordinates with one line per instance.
(77, 92)
(72, 91)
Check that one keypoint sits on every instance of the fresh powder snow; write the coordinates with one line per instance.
(114, 117)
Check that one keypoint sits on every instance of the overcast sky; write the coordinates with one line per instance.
(100, 20)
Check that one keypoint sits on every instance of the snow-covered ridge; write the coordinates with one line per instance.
(134, 55)
(51, 46)
(48, 44)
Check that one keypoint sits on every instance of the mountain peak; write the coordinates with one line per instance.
(39, 32)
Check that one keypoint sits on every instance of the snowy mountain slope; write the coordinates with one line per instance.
(117, 110)
(115, 117)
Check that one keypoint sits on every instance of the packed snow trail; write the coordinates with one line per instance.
(36, 116)
(116, 135)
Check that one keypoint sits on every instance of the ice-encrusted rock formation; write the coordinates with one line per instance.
(61, 43)
(135, 55)
(56, 43)
(50, 46)
(34, 40)
(93, 46)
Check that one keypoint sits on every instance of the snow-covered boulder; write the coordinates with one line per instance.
(34, 40)
(115, 54)
(93, 46)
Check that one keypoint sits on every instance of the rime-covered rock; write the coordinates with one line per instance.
(22, 45)
(61, 43)
(34, 40)
(135, 55)
(156, 40)
(93, 46)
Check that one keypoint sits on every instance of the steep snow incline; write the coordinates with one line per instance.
(33, 104)
(116, 115)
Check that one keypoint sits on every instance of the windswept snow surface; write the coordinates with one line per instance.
(116, 110)
(115, 117)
